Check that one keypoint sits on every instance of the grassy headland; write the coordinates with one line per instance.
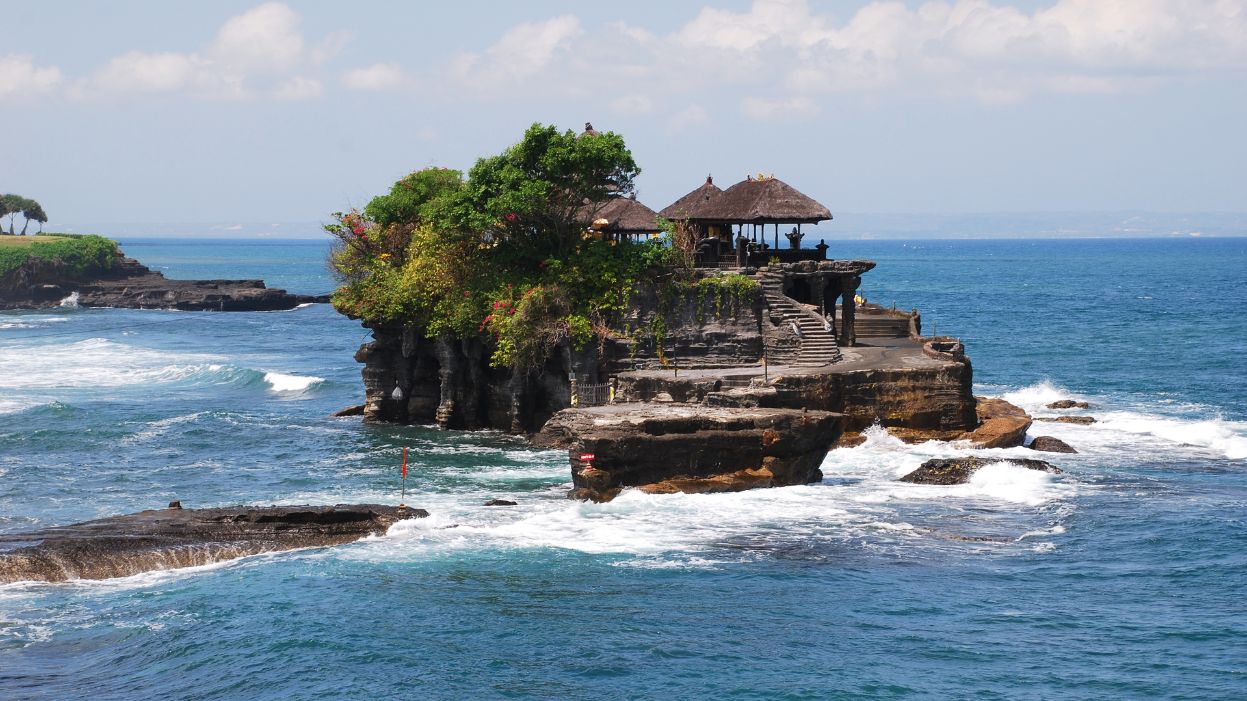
(75, 255)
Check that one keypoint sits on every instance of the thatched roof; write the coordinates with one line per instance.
(625, 215)
(762, 200)
(688, 206)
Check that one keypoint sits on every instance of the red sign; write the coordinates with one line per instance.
(587, 456)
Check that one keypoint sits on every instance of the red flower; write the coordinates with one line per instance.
(466, 294)
(511, 216)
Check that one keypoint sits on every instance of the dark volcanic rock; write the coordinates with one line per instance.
(1068, 404)
(945, 471)
(1048, 444)
(357, 410)
(685, 448)
(132, 285)
(169, 538)
(499, 502)
(1079, 420)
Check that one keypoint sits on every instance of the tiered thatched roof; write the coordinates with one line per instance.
(625, 214)
(762, 200)
(688, 206)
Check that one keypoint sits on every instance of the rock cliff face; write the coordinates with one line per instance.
(681, 448)
(130, 284)
(170, 538)
(450, 382)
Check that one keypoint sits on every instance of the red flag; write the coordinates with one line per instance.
(404, 463)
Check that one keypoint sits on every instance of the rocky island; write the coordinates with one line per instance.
(685, 350)
(45, 270)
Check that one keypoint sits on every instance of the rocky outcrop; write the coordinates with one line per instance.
(129, 284)
(1069, 404)
(170, 538)
(683, 448)
(1049, 444)
(947, 471)
(1076, 420)
(1001, 424)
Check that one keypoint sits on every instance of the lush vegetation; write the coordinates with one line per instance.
(75, 255)
(507, 251)
(11, 205)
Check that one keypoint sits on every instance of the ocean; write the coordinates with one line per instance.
(1123, 577)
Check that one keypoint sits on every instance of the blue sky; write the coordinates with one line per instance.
(211, 113)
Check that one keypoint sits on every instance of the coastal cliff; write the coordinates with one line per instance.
(114, 280)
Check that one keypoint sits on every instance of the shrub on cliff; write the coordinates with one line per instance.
(506, 253)
(75, 256)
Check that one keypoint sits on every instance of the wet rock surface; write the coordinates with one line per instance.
(132, 285)
(1049, 444)
(948, 471)
(1077, 420)
(159, 539)
(688, 448)
(1069, 404)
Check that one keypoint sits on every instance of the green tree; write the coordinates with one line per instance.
(415, 198)
(32, 210)
(533, 194)
(12, 205)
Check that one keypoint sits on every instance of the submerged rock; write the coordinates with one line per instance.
(688, 448)
(946, 471)
(1049, 444)
(1069, 404)
(1079, 420)
(357, 410)
(121, 546)
(500, 502)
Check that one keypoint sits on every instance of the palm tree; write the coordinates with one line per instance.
(33, 210)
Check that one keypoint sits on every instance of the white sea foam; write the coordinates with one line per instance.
(1164, 426)
(285, 383)
(71, 301)
(1039, 395)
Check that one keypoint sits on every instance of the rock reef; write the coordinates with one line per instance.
(170, 538)
(948, 471)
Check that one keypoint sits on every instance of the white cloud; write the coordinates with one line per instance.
(138, 72)
(769, 108)
(687, 118)
(299, 88)
(382, 76)
(332, 45)
(264, 39)
(259, 52)
(20, 77)
(632, 104)
(985, 50)
(523, 51)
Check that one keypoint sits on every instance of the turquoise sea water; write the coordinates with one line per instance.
(1123, 578)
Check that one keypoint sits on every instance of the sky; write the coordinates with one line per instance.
(246, 116)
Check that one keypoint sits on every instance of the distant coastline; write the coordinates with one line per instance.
(849, 226)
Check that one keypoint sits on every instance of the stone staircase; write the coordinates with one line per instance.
(818, 347)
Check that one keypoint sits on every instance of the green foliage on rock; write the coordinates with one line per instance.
(505, 253)
(75, 256)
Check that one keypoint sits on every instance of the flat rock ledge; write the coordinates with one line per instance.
(689, 448)
(160, 539)
(949, 471)
(1001, 425)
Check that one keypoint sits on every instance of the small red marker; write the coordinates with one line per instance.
(587, 456)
